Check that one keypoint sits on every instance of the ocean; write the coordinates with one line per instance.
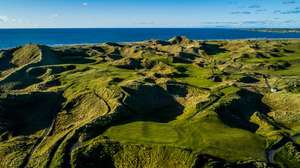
(15, 37)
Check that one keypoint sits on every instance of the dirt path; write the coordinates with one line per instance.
(271, 153)
(295, 137)
(39, 141)
(48, 132)
(205, 106)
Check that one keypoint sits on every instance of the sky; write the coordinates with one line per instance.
(149, 13)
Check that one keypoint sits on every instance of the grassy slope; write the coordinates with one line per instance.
(103, 103)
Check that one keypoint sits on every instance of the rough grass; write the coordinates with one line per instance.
(285, 108)
(288, 156)
(26, 55)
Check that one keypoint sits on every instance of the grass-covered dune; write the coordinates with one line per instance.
(177, 103)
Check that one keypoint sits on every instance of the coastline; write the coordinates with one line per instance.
(11, 38)
(101, 43)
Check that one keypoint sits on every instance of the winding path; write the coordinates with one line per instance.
(272, 152)
(73, 140)
(205, 106)
(106, 103)
(49, 131)
(36, 145)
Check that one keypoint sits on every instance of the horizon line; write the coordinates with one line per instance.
(149, 28)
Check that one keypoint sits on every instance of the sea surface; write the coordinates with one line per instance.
(15, 37)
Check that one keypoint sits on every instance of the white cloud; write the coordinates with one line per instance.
(54, 16)
(4, 19)
(85, 4)
(13, 22)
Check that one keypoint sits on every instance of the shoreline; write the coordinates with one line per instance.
(101, 43)
(11, 38)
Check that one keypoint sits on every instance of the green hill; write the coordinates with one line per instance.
(177, 103)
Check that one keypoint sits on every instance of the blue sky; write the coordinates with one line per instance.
(149, 13)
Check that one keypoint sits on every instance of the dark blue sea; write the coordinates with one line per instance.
(16, 37)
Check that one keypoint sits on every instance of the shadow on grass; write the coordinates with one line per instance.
(153, 103)
(26, 114)
(73, 56)
(213, 49)
(237, 111)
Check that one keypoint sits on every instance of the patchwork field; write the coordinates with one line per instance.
(177, 103)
